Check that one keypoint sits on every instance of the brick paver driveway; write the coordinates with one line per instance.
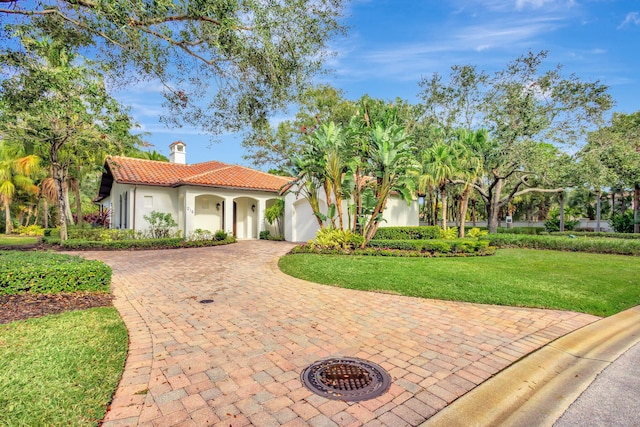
(237, 361)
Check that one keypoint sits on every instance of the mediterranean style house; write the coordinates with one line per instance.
(212, 196)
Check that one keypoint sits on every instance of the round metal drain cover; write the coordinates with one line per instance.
(205, 301)
(346, 378)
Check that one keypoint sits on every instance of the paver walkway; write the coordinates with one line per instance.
(237, 361)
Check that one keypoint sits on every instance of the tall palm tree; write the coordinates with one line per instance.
(15, 173)
(439, 169)
(469, 166)
(391, 161)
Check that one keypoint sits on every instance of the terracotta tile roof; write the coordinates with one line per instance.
(209, 174)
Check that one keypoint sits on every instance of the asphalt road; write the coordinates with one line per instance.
(612, 400)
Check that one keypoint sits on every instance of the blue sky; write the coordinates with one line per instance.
(392, 44)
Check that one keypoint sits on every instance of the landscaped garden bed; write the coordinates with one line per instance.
(62, 344)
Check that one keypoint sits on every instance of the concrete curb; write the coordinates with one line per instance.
(539, 388)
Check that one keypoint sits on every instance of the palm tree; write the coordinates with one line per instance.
(15, 173)
(391, 161)
(469, 166)
(439, 169)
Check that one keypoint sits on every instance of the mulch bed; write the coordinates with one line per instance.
(27, 305)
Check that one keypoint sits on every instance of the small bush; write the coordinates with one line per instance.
(220, 235)
(407, 233)
(449, 233)
(622, 223)
(334, 238)
(264, 235)
(553, 224)
(475, 232)
(161, 225)
(30, 230)
(43, 272)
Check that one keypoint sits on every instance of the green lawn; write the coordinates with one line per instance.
(60, 369)
(590, 283)
(17, 240)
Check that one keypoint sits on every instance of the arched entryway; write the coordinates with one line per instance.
(245, 218)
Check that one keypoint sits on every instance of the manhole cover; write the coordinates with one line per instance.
(347, 379)
(206, 301)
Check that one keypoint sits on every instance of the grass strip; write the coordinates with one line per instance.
(17, 240)
(61, 369)
(589, 283)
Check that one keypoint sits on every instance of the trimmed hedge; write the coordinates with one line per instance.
(369, 251)
(598, 234)
(94, 234)
(561, 243)
(407, 233)
(167, 243)
(465, 246)
(45, 272)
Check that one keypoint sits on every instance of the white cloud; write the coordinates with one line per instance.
(632, 18)
(535, 4)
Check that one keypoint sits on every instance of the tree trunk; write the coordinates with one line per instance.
(59, 179)
(67, 203)
(636, 202)
(598, 210)
(613, 202)
(45, 213)
(76, 189)
(464, 203)
(561, 197)
(443, 197)
(493, 207)
(8, 224)
(473, 212)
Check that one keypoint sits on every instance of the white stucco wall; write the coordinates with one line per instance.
(193, 208)
(302, 226)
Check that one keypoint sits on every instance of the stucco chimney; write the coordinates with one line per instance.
(178, 153)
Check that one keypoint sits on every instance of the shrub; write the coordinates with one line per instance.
(449, 233)
(264, 234)
(623, 222)
(166, 243)
(608, 234)
(96, 234)
(200, 234)
(562, 243)
(475, 232)
(220, 235)
(160, 224)
(98, 219)
(334, 238)
(30, 230)
(476, 248)
(520, 230)
(553, 224)
(408, 233)
(43, 272)
(442, 246)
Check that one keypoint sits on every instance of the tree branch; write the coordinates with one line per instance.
(505, 200)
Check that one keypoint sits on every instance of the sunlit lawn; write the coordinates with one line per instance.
(17, 240)
(590, 283)
(60, 370)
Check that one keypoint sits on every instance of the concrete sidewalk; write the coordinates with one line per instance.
(539, 389)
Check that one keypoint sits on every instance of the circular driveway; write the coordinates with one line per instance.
(237, 360)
